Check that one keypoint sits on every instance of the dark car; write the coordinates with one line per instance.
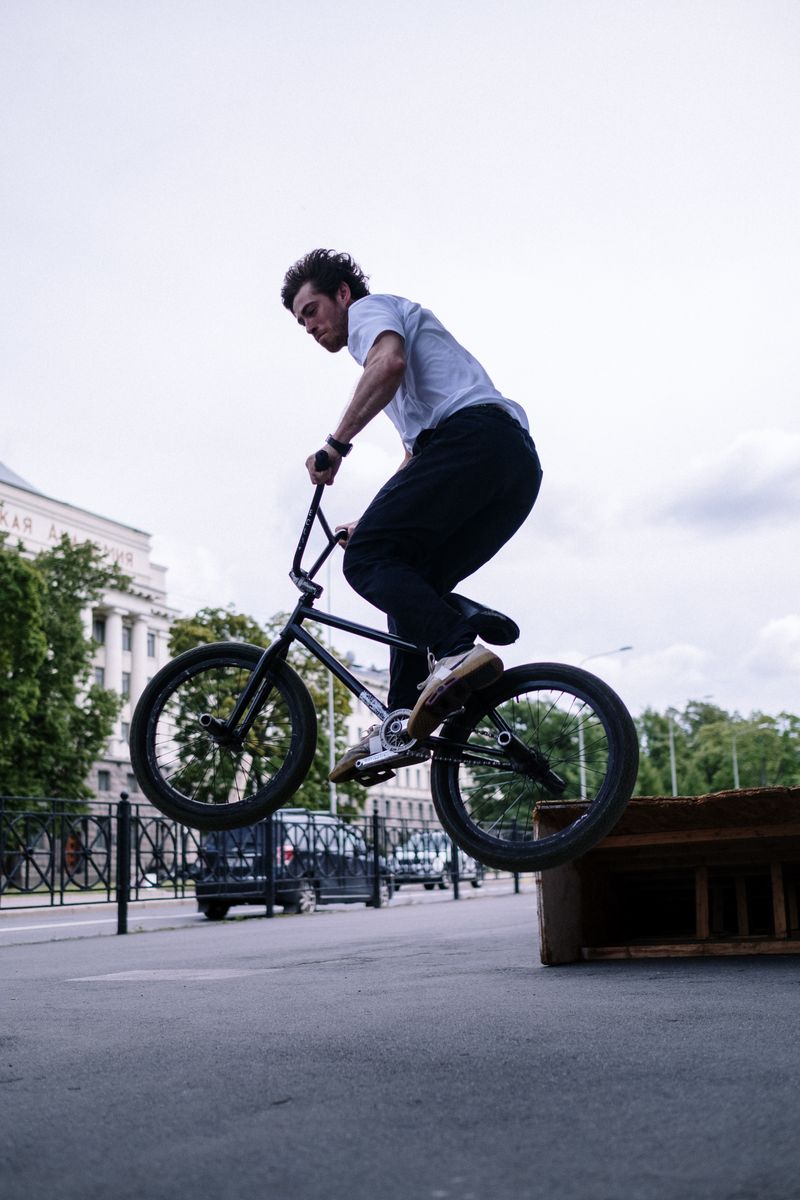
(426, 857)
(318, 859)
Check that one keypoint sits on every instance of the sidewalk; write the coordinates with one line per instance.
(21, 922)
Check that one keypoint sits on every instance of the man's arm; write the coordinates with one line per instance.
(383, 372)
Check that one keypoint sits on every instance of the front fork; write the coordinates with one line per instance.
(235, 729)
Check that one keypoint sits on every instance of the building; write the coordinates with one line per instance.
(130, 628)
(408, 795)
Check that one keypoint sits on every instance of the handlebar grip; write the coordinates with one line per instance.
(322, 460)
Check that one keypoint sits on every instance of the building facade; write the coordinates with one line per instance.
(130, 628)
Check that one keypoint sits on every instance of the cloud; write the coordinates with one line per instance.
(668, 675)
(777, 648)
(196, 576)
(754, 479)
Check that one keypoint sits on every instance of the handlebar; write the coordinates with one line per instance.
(300, 578)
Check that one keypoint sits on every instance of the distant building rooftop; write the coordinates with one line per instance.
(15, 480)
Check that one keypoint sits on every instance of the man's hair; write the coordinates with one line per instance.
(325, 269)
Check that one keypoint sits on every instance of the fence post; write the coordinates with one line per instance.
(123, 861)
(516, 873)
(454, 872)
(376, 858)
(269, 862)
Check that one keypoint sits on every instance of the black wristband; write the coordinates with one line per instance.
(342, 448)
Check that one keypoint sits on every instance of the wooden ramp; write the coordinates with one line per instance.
(685, 875)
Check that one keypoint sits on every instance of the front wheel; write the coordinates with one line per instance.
(196, 770)
(536, 769)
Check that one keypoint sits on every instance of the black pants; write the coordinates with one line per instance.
(469, 486)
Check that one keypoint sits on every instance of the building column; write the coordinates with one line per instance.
(87, 620)
(114, 649)
(162, 648)
(138, 658)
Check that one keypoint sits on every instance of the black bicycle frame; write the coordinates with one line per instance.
(259, 686)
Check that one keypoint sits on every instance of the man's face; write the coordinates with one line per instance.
(324, 317)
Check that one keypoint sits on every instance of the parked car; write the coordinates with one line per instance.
(318, 859)
(426, 858)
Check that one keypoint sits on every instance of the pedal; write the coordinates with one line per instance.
(375, 760)
(370, 778)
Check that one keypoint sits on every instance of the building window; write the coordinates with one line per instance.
(100, 676)
(126, 684)
(151, 644)
(104, 781)
(127, 637)
(99, 630)
(133, 786)
(125, 730)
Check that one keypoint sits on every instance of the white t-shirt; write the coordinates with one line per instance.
(441, 377)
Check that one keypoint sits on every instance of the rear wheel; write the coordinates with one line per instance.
(195, 770)
(541, 767)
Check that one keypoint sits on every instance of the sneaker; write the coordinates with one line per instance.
(448, 687)
(345, 769)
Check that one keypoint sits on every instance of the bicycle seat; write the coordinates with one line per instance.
(494, 627)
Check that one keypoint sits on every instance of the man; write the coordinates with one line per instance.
(469, 478)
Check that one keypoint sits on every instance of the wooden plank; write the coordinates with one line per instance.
(559, 905)
(718, 834)
(778, 901)
(709, 949)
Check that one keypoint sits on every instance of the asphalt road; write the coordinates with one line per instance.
(417, 1052)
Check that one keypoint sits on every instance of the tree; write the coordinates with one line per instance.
(716, 751)
(54, 722)
(219, 625)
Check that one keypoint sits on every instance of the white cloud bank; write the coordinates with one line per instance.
(777, 649)
(753, 479)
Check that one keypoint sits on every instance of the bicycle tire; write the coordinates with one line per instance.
(505, 809)
(193, 777)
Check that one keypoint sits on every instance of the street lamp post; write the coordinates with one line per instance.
(581, 746)
(673, 770)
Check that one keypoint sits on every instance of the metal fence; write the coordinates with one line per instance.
(57, 852)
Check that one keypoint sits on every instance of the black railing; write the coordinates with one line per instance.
(63, 853)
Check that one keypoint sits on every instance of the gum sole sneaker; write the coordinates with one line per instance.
(345, 769)
(449, 685)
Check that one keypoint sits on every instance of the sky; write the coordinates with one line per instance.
(599, 199)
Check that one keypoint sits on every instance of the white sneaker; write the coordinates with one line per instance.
(449, 685)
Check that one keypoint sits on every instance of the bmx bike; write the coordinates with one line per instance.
(225, 733)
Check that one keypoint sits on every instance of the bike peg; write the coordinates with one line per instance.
(322, 460)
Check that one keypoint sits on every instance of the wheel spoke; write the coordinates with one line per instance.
(565, 754)
(186, 767)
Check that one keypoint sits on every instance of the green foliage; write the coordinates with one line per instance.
(53, 723)
(716, 751)
(220, 625)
